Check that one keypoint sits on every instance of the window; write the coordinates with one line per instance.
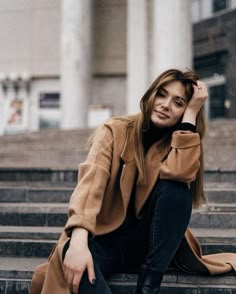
(216, 105)
(201, 9)
(219, 5)
(196, 11)
(49, 100)
(217, 101)
(49, 116)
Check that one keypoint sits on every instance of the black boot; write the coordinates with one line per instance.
(149, 281)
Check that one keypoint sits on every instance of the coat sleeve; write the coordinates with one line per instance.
(183, 160)
(86, 200)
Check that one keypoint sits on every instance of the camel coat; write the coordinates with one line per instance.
(100, 199)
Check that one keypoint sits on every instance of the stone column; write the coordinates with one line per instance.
(75, 62)
(136, 53)
(172, 35)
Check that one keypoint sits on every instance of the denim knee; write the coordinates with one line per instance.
(175, 194)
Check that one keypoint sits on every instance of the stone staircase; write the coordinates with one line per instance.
(37, 175)
(33, 210)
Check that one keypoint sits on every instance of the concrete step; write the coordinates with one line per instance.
(55, 214)
(38, 175)
(33, 214)
(42, 248)
(16, 273)
(28, 241)
(216, 240)
(220, 192)
(30, 232)
(207, 235)
(221, 207)
(203, 218)
(41, 193)
(215, 235)
(66, 148)
(48, 148)
(26, 247)
(49, 192)
(213, 248)
(39, 241)
(178, 283)
(220, 175)
(69, 175)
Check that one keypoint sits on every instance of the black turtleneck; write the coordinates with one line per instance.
(154, 134)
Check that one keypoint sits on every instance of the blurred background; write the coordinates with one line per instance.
(72, 64)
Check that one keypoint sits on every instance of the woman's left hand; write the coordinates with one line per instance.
(199, 97)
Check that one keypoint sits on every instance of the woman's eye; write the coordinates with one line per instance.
(160, 94)
(178, 103)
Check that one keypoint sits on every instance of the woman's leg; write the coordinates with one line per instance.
(170, 205)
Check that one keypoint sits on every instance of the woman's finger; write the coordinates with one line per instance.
(76, 282)
(70, 278)
(200, 90)
(91, 272)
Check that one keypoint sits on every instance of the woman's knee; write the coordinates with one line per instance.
(175, 192)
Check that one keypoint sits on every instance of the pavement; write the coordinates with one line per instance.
(67, 148)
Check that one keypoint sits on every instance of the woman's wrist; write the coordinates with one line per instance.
(189, 116)
(79, 236)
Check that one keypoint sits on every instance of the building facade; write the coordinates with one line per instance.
(214, 45)
(69, 63)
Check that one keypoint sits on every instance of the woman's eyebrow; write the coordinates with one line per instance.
(179, 97)
(163, 89)
(182, 98)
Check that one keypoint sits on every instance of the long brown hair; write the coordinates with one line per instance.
(141, 123)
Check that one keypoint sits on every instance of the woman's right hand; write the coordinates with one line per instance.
(78, 258)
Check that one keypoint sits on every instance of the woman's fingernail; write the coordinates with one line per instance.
(93, 282)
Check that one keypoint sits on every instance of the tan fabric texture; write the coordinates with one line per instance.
(100, 199)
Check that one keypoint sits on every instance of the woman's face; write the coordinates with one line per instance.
(169, 106)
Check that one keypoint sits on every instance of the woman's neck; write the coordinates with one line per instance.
(154, 134)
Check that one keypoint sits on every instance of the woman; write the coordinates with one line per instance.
(142, 175)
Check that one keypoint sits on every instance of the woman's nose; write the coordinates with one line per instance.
(166, 103)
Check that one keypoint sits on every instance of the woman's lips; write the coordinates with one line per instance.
(161, 114)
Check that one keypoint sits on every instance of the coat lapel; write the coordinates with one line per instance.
(129, 170)
(128, 167)
(153, 159)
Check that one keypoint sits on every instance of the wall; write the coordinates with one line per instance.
(30, 36)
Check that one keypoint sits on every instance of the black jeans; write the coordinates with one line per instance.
(153, 240)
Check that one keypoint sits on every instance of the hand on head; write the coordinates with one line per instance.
(199, 97)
